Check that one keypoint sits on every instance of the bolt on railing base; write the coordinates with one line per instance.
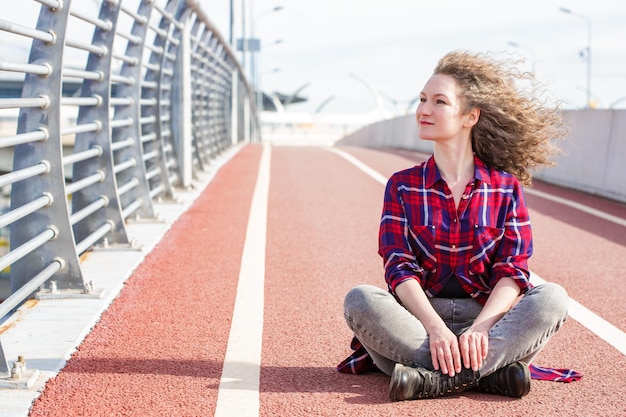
(105, 246)
(19, 377)
(169, 201)
(143, 220)
(53, 293)
(68, 293)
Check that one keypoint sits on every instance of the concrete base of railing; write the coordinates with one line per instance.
(51, 294)
(18, 376)
(26, 380)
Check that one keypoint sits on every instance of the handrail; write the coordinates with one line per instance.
(107, 126)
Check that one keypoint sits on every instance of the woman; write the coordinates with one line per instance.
(455, 238)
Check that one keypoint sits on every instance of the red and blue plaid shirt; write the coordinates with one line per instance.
(423, 236)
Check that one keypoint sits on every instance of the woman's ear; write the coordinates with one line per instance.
(472, 117)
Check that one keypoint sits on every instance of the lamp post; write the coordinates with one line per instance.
(530, 52)
(244, 39)
(272, 71)
(377, 97)
(588, 50)
(293, 96)
(231, 21)
(324, 103)
(256, 78)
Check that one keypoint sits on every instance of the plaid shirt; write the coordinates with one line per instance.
(424, 237)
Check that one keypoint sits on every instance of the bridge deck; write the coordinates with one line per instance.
(161, 346)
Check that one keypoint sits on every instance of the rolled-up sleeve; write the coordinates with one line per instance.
(399, 260)
(516, 247)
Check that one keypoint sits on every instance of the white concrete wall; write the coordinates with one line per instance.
(594, 159)
(595, 154)
(400, 132)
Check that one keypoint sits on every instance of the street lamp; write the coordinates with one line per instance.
(256, 77)
(588, 50)
(530, 52)
(377, 97)
(293, 95)
(231, 21)
(272, 10)
(324, 103)
(272, 71)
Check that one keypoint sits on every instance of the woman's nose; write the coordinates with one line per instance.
(422, 108)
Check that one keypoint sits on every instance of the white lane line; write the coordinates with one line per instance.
(360, 165)
(238, 393)
(578, 206)
(596, 324)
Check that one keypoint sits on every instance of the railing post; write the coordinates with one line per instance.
(53, 219)
(129, 118)
(234, 107)
(106, 190)
(247, 126)
(157, 105)
(182, 124)
(199, 120)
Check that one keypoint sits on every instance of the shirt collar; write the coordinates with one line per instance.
(432, 174)
(481, 171)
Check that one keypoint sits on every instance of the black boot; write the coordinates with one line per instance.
(416, 383)
(512, 380)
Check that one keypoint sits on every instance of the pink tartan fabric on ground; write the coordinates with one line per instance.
(360, 362)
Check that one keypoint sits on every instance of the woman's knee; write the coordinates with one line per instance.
(556, 293)
(553, 299)
(359, 298)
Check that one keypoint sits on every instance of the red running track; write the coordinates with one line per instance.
(159, 348)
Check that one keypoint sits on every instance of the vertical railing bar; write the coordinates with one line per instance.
(94, 178)
(133, 70)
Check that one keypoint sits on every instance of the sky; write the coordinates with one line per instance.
(343, 54)
(339, 51)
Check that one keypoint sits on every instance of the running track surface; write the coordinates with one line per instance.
(160, 348)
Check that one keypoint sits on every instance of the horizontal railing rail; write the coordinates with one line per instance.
(123, 102)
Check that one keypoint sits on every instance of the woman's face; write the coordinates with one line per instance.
(439, 113)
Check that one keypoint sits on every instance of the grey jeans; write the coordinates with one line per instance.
(391, 334)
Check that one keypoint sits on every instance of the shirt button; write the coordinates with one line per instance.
(453, 246)
(454, 220)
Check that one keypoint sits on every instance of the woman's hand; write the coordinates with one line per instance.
(444, 350)
(474, 345)
(444, 344)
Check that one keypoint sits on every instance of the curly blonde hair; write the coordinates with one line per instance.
(516, 131)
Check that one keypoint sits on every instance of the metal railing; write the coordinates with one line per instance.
(122, 103)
